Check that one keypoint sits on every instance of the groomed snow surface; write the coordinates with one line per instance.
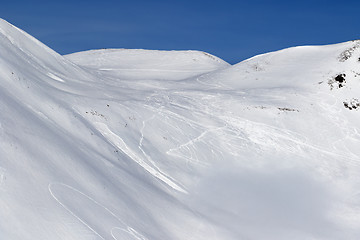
(165, 145)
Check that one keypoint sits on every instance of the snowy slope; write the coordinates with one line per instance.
(106, 145)
(149, 64)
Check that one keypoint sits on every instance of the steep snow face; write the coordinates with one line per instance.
(95, 145)
(149, 64)
(24, 51)
(76, 158)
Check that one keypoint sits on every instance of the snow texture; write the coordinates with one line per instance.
(153, 145)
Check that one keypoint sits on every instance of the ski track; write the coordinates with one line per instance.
(167, 114)
(258, 132)
(132, 232)
(262, 134)
(192, 142)
(152, 162)
(71, 212)
(120, 144)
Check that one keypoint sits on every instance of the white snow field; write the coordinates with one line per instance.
(167, 145)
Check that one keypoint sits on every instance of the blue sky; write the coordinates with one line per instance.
(231, 30)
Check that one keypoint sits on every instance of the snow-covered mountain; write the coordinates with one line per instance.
(155, 145)
(148, 64)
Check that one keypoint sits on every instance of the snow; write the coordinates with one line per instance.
(153, 64)
(144, 144)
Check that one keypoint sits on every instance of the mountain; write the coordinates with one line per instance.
(139, 144)
(148, 64)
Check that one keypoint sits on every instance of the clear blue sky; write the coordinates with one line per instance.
(232, 30)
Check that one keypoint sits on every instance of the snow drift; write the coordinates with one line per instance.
(139, 144)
